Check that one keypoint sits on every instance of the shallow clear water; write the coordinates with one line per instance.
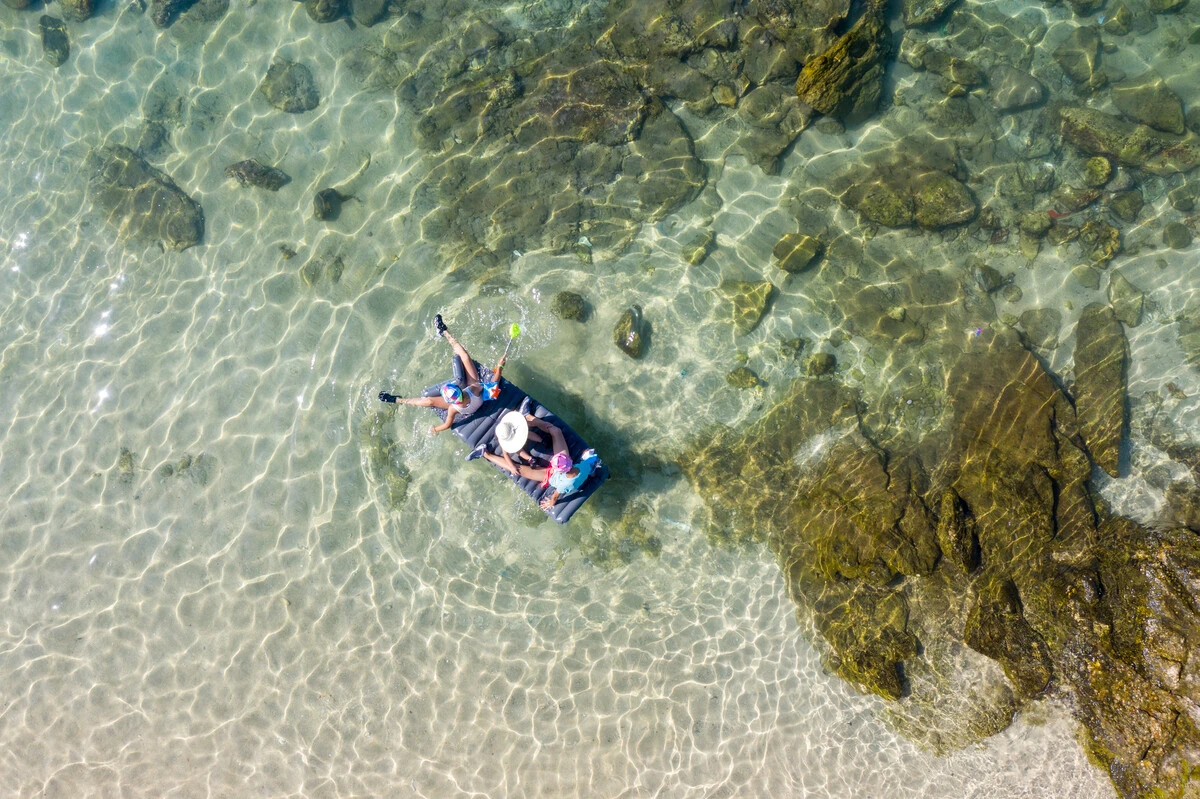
(207, 590)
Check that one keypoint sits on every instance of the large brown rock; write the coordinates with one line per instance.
(1097, 133)
(846, 81)
(1101, 363)
(143, 202)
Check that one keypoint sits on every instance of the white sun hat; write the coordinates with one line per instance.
(512, 431)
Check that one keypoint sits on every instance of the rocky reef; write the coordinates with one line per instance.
(983, 533)
(144, 203)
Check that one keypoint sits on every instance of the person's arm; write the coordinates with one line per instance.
(556, 437)
(450, 414)
(499, 367)
(549, 500)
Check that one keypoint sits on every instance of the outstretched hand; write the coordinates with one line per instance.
(386, 397)
(548, 501)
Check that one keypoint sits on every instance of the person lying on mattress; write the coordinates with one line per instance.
(460, 397)
(561, 474)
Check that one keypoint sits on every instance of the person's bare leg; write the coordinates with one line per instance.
(424, 402)
(507, 465)
(465, 357)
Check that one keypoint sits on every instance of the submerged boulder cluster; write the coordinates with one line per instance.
(989, 521)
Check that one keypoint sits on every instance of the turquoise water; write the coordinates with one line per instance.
(209, 586)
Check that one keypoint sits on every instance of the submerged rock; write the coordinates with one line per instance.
(143, 202)
(797, 252)
(164, 12)
(1127, 204)
(251, 173)
(1041, 326)
(76, 10)
(1101, 363)
(18, 4)
(1150, 102)
(1015, 90)
(749, 302)
(846, 81)
(368, 12)
(998, 629)
(323, 10)
(1097, 133)
(327, 204)
(820, 363)
(1177, 236)
(569, 306)
(55, 44)
(924, 12)
(940, 201)
(630, 332)
(1097, 171)
(741, 377)
(290, 87)
(1079, 54)
(1062, 592)
(1127, 300)
(956, 533)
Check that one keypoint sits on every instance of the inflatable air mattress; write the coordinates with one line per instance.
(481, 426)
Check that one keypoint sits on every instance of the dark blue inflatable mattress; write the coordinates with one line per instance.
(481, 426)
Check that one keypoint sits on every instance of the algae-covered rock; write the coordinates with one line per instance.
(749, 301)
(1078, 55)
(290, 87)
(742, 377)
(1177, 236)
(1127, 300)
(846, 81)
(252, 173)
(796, 252)
(956, 532)
(1097, 171)
(55, 44)
(924, 12)
(630, 332)
(323, 10)
(164, 12)
(1150, 102)
(76, 10)
(697, 246)
(569, 306)
(940, 201)
(1035, 223)
(1119, 20)
(368, 12)
(1101, 363)
(997, 628)
(952, 68)
(885, 205)
(1015, 90)
(143, 202)
(1101, 240)
(867, 629)
(1097, 133)
(820, 363)
(1127, 204)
